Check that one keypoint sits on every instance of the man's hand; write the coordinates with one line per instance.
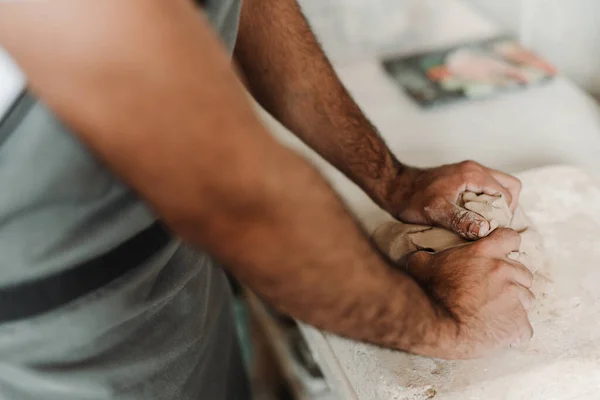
(266, 214)
(485, 294)
(290, 76)
(431, 196)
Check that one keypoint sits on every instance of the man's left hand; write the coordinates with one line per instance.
(431, 196)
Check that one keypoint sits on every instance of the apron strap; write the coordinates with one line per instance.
(32, 298)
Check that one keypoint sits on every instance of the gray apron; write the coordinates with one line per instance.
(160, 327)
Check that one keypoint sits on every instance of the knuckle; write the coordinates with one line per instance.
(506, 234)
(512, 238)
(470, 165)
(499, 269)
(500, 265)
(472, 176)
(414, 263)
(483, 246)
(509, 233)
(495, 236)
(513, 291)
(420, 257)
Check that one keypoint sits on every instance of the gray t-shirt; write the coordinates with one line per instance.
(163, 330)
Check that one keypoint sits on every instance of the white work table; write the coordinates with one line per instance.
(552, 124)
(561, 362)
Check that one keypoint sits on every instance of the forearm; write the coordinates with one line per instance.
(303, 253)
(289, 75)
(165, 112)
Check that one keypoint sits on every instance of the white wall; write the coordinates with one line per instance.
(566, 32)
(355, 28)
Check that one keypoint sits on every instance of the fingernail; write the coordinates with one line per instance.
(484, 228)
(476, 228)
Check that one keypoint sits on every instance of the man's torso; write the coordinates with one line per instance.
(161, 331)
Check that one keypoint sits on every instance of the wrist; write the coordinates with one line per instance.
(428, 329)
(398, 189)
(445, 334)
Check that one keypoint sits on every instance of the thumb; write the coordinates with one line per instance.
(467, 224)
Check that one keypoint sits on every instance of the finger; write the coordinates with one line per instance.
(479, 208)
(526, 331)
(527, 298)
(493, 187)
(511, 183)
(479, 179)
(417, 264)
(492, 211)
(486, 199)
(516, 74)
(488, 213)
(467, 224)
(501, 242)
(469, 196)
(520, 274)
(522, 331)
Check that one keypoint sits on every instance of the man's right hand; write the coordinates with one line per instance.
(484, 294)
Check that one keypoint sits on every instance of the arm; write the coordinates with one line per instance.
(165, 112)
(290, 76)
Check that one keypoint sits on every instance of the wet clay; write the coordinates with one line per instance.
(397, 239)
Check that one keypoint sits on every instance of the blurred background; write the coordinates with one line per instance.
(566, 33)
